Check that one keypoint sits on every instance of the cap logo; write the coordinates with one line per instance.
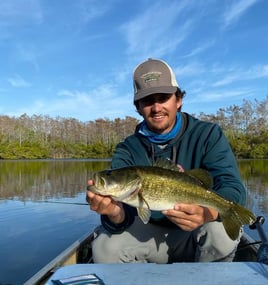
(151, 76)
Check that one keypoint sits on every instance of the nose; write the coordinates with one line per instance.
(156, 106)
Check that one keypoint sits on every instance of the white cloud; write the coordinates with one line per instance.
(229, 78)
(66, 93)
(91, 9)
(223, 95)
(15, 12)
(258, 71)
(236, 10)
(242, 74)
(18, 81)
(102, 102)
(211, 101)
(190, 69)
(221, 86)
(154, 32)
(199, 49)
(28, 53)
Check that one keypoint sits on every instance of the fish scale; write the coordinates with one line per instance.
(180, 189)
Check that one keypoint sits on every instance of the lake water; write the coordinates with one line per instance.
(43, 209)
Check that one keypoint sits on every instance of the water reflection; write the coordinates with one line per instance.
(39, 230)
(45, 179)
(254, 175)
(42, 180)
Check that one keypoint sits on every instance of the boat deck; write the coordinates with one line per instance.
(219, 273)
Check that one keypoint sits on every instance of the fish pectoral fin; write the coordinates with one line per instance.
(143, 210)
(144, 214)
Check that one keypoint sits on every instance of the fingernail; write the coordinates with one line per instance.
(177, 207)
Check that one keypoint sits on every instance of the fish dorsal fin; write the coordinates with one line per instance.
(202, 176)
(167, 164)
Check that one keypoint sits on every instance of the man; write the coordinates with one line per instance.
(186, 232)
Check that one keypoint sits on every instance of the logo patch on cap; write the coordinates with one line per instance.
(151, 76)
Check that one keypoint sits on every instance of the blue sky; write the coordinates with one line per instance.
(76, 58)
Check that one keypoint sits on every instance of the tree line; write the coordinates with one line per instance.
(245, 126)
(41, 137)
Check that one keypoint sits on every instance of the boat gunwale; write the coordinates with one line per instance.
(59, 260)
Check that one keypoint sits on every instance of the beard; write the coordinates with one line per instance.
(160, 123)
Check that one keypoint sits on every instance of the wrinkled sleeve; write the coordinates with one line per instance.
(130, 214)
(220, 161)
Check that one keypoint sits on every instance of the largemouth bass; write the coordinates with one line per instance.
(158, 188)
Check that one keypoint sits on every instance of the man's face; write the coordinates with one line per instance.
(159, 111)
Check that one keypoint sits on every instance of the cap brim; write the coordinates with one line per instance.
(154, 90)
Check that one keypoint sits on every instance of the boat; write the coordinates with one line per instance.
(79, 252)
(76, 260)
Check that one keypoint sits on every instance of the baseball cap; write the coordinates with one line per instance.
(153, 76)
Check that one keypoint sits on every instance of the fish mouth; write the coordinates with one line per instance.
(100, 183)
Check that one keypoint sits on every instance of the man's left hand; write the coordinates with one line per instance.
(189, 216)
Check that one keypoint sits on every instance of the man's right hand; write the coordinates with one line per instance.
(105, 205)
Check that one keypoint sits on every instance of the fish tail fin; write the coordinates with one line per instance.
(233, 219)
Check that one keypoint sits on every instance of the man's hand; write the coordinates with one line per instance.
(189, 217)
(105, 205)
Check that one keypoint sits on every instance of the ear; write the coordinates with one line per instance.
(138, 109)
(179, 103)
